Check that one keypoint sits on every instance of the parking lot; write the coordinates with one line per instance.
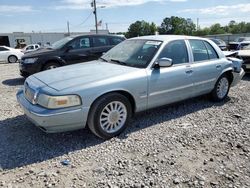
(195, 143)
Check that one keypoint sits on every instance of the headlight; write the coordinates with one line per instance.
(30, 60)
(54, 102)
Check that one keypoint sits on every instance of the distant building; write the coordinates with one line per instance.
(21, 39)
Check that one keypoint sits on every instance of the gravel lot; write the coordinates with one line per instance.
(195, 143)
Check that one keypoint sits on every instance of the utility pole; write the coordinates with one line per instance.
(95, 13)
(107, 28)
(197, 24)
(68, 28)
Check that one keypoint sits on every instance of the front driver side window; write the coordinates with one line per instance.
(175, 50)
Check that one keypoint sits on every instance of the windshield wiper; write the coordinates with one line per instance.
(119, 62)
(103, 59)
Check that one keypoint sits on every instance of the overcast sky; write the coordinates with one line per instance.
(52, 15)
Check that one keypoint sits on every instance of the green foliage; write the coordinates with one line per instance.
(177, 25)
(181, 26)
(232, 27)
(141, 28)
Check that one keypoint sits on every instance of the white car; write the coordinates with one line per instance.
(10, 55)
(243, 45)
(245, 56)
(30, 48)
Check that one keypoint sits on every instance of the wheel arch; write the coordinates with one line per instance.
(58, 60)
(125, 93)
(229, 73)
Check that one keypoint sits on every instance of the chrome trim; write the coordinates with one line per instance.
(35, 97)
(56, 114)
(170, 90)
(204, 82)
(143, 96)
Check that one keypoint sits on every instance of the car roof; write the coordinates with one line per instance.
(92, 35)
(167, 37)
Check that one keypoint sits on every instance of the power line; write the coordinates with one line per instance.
(86, 19)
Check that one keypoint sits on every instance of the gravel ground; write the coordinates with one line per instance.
(195, 143)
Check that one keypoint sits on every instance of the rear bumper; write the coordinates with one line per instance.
(52, 121)
(246, 67)
(237, 77)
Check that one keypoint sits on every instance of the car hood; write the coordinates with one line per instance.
(83, 74)
(39, 52)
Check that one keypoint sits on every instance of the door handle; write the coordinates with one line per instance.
(189, 71)
(218, 66)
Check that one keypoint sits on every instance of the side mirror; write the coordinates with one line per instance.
(164, 62)
(68, 48)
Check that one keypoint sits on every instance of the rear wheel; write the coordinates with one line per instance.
(51, 65)
(109, 115)
(221, 89)
(12, 59)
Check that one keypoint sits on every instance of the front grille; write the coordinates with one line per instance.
(29, 93)
(21, 61)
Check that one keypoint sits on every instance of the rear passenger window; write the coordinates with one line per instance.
(175, 50)
(199, 50)
(100, 41)
(211, 51)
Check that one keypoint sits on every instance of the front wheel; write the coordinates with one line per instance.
(221, 89)
(109, 115)
(51, 65)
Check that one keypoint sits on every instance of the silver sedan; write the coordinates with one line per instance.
(138, 74)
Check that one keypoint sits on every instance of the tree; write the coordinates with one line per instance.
(177, 25)
(202, 32)
(232, 27)
(141, 28)
(216, 29)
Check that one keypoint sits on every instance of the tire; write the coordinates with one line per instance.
(25, 74)
(221, 89)
(51, 65)
(107, 124)
(12, 59)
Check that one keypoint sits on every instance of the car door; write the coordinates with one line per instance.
(4, 52)
(206, 66)
(171, 84)
(78, 50)
(100, 45)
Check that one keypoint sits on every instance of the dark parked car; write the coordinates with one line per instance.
(222, 45)
(69, 50)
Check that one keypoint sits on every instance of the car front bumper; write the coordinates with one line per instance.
(28, 69)
(237, 77)
(52, 121)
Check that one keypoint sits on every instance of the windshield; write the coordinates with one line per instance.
(135, 52)
(61, 43)
(216, 41)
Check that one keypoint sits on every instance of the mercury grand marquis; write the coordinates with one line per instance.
(138, 74)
